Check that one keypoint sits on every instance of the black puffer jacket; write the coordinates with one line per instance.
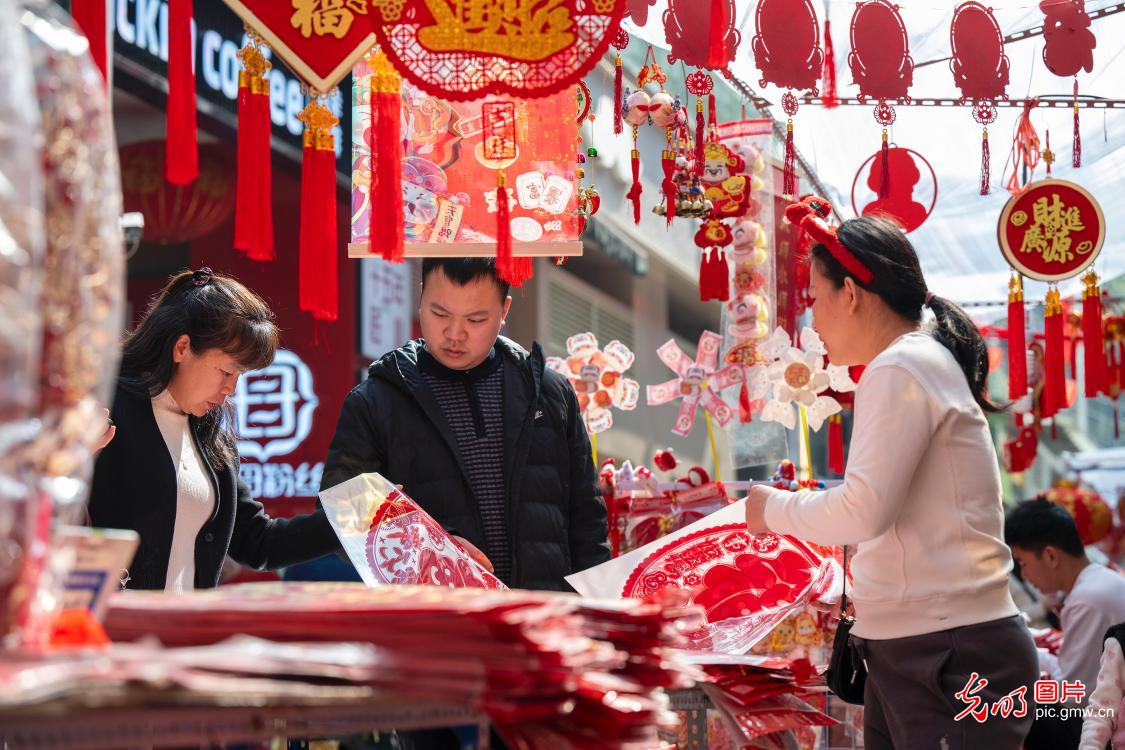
(392, 424)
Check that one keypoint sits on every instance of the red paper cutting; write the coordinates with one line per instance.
(880, 58)
(637, 10)
(461, 50)
(787, 44)
(1068, 42)
(980, 67)
(702, 39)
(908, 171)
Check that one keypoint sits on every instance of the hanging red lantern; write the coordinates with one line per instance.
(173, 213)
(1091, 513)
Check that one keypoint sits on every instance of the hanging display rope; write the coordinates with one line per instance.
(714, 452)
(1065, 101)
(808, 443)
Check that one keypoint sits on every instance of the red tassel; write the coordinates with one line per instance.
(1017, 342)
(668, 185)
(717, 58)
(1077, 160)
(789, 175)
(700, 129)
(181, 158)
(836, 444)
(253, 220)
(317, 292)
(705, 275)
(516, 270)
(828, 87)
(712, 115)
(90, 17)
(745, 410)
(618, 96)
(885, 171)
(635, 190)
(985, 165)
(721, 278)
(387, 232)
(1092, 343)
(1054, 365)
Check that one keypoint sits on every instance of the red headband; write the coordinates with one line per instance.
(809, 215)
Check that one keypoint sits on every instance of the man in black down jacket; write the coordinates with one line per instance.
(479, 433)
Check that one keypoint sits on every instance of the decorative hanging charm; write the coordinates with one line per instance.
(1092, 342)
(1068, 43)
(880, 58)
(980, 70)
(589, 201)
(787, 53)
(253, 217)
(467, 49)
(1051, 231)
(1017, 341)
(910, 176)
(621, 41)
(699, 85)
(828, 78)
(1076, 160)
(499, 146)
(985, 114)
(1025, 151)
(702, 40)
(318, 293)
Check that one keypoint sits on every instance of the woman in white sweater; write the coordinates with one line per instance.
(921, 498)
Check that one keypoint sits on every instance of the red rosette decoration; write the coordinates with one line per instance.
(461, 50)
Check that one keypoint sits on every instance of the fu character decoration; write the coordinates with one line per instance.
(500, 146)
(1054, 230)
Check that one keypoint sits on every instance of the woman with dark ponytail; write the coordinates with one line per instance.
(170, 470)
(921, 498)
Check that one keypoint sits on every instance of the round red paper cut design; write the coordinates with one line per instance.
(1051, 231)
(913, 192)
(460, 50)
(406, 546)
(729, 572)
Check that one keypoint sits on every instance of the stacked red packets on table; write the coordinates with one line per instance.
(551, 670)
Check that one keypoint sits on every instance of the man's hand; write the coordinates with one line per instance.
(475, 553)
(756, 509)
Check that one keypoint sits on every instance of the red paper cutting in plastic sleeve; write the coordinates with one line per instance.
(391, 540)
(746, 583)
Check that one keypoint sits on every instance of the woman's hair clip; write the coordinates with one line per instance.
(202, 277)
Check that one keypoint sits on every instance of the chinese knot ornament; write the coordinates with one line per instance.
(465, 49)
(597, 376)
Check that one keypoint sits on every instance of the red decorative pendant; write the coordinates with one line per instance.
(880, 58)
(909, 177)
(702, 39)
(980, 67)
(786, 44)
(1068, 42)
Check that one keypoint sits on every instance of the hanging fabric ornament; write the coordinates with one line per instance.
(1017, 341)
(789, 171)
(1025, 151)
(828, 95)
(385, 135)
(885, 172)
(1054, 358)
(499, 147)
(836, 444)
(668, 185)
(253, 212)
(1048, 154)
(1077, 155)
(181, 160)
(90, 17)
(985, 114)
(318, 292)
(699, 85)
(621, 41)
(635, 189)
(1092, 342)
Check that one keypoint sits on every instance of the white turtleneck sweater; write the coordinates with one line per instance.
(195, 492)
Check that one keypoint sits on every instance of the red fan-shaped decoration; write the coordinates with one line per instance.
(175, 214)
(880, 58)
(980, 67)
(1068, 42)
(464, 49)
(702, 39)
(786, 44)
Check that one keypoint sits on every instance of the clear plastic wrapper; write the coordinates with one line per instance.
(22, 527)
(391, 540)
